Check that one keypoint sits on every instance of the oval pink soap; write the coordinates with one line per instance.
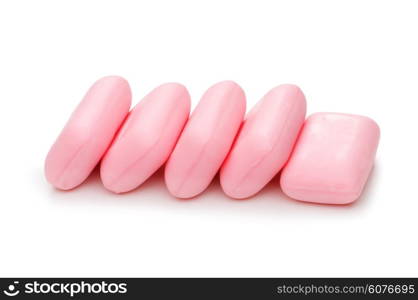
(206, 140)
(146, 139)
(332, 159)
(265, 142)
(88, 133)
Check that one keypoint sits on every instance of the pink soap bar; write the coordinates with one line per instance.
(206, 140)
(88, 133)
(265, 142)
(146, 139)
(332, 159)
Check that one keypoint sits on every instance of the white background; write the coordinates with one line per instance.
(347, 56)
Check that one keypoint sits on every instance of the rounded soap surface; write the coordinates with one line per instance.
(88, 133)
(206, 140)
(146, 139)
(265, 142)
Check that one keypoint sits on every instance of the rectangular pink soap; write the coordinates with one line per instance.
(332, 159)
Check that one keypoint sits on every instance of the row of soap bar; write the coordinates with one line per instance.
(325, 159)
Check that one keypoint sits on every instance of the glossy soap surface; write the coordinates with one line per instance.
(206, 140)
(265, 141)
(88, 133)
(332, 159)
(146, 139)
